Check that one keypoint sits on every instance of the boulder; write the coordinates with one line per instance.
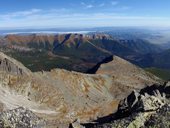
(137, 102)
(150, 103)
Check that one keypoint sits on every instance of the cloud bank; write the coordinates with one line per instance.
(66, 18)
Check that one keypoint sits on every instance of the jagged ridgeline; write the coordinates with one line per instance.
(59, 97)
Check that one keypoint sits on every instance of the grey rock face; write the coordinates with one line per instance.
(137, 102)
(11, 66)
(6, 65)
(129, 103)
(20, 118)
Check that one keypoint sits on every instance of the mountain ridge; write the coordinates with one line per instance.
(61, 96)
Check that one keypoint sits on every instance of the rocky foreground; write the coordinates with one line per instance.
(60, 98)
(148, 108)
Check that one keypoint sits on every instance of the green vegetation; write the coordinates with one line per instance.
(37, 61)
(161, 73)
(77, 56)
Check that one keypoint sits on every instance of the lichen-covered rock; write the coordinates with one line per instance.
(20, 118)
(137, 102)
(150, 103)
(157, 119)
(161, 119)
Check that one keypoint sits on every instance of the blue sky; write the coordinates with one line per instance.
(83, 13)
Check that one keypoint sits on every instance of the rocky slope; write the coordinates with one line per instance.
(60, 96)
(130, 74)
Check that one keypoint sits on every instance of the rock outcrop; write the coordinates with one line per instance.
(136, 102)
(11, 66)
(144, 109)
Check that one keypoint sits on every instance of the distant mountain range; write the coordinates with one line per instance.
(166, 45)
(45, 52)
(159, 60)
(80, 52)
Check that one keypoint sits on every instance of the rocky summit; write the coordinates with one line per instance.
(60, 97)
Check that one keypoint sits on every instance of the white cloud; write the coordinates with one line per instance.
(114, 3)
(102, 5)
(20, 13)
(82, 3)
(65, 18)
(89, 6)
(124, 8)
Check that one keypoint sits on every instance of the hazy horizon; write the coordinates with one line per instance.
(83, 13)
